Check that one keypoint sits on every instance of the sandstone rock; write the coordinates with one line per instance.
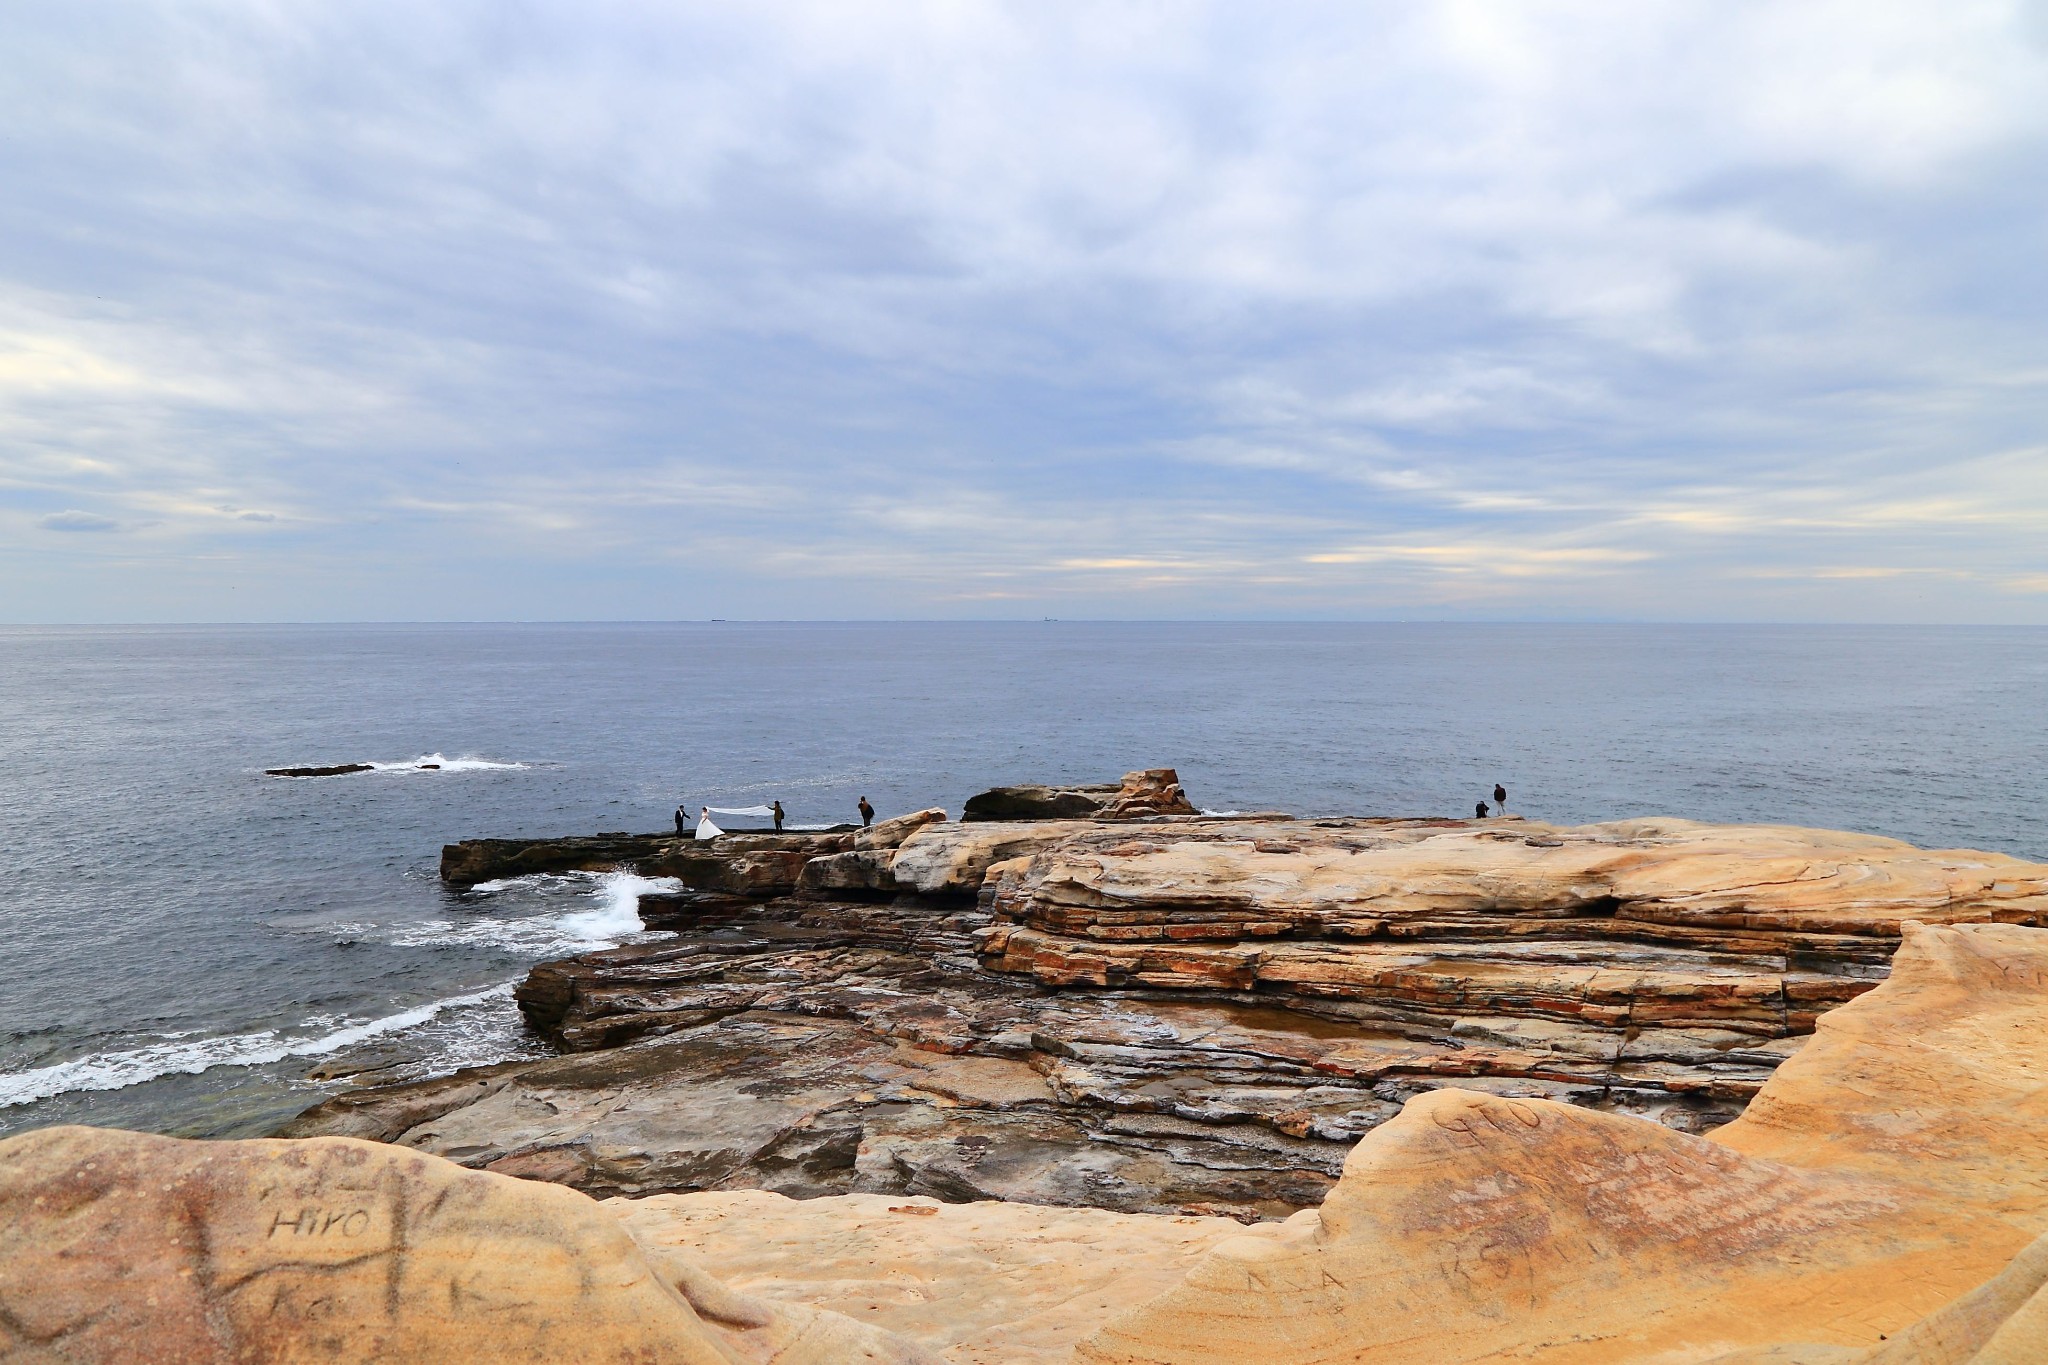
(954, 859)
(116, 1247)
(1476, 1228)
(1642, 924)
(482, 860)
(978, 1284)
(820, 1047)
(1668, 880)
(1152, 791)
(1214, 1009)
(757, 864)
(1936, 1082)
(2001, 1322)
(1032, 801)
(1885, 1200)
(858, 872)
(891, 833)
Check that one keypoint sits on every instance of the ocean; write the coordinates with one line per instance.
(188, 946)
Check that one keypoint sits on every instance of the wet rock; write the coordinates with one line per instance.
(331, 770)
(1032, 801)
(749, 864)
(483, 860)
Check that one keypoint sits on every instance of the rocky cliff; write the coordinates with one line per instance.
(1176, 1014)
(1883, 1202)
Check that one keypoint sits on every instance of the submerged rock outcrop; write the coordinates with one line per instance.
(1193, 1015)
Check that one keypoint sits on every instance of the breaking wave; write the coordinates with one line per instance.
(119, 1070)
(429, 762)
(425, 763)
(611, 915)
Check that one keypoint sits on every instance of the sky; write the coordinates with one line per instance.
(442, 310)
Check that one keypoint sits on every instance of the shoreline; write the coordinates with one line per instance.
(1157, 1088)
(1214, 1008)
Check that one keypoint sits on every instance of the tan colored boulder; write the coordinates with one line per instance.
(119, 1247)
(952, 859)
(1148, 792)
(892, 832)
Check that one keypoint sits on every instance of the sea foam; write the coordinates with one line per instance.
(612, 915)
(119, 1070)
(429, 762)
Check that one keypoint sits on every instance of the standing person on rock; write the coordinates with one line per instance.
(776, 811)
(682, 821)
(867, 813)
(1500, 798)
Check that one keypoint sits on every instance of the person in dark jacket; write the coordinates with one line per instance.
(1500, 798)
(867, 813)
(776, 810)
(682, 823)
(1479, 813)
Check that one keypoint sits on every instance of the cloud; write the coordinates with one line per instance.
(790, 309)
(78, 521)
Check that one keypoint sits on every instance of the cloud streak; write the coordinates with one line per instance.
(1567, 310)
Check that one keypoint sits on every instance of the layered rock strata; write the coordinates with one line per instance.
(1836, 1216)
(1884, 1202)
(1191, 1015)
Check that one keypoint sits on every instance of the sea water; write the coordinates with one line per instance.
(190, 946)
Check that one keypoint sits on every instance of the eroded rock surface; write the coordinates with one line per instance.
(1477, 1228)
(1175, 1014)
(1474, 1227)
(978, 1284)
(1152, 791)
(1883, 1202)
(741, 864)
(119, 1248)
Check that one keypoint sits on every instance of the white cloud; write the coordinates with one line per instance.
(1611, 304)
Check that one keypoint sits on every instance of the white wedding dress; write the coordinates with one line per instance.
(707, 830)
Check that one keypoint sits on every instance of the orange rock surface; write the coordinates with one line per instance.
(989, 1283)
(123, 1249)
(1878, 1202)
(1906, 1163)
